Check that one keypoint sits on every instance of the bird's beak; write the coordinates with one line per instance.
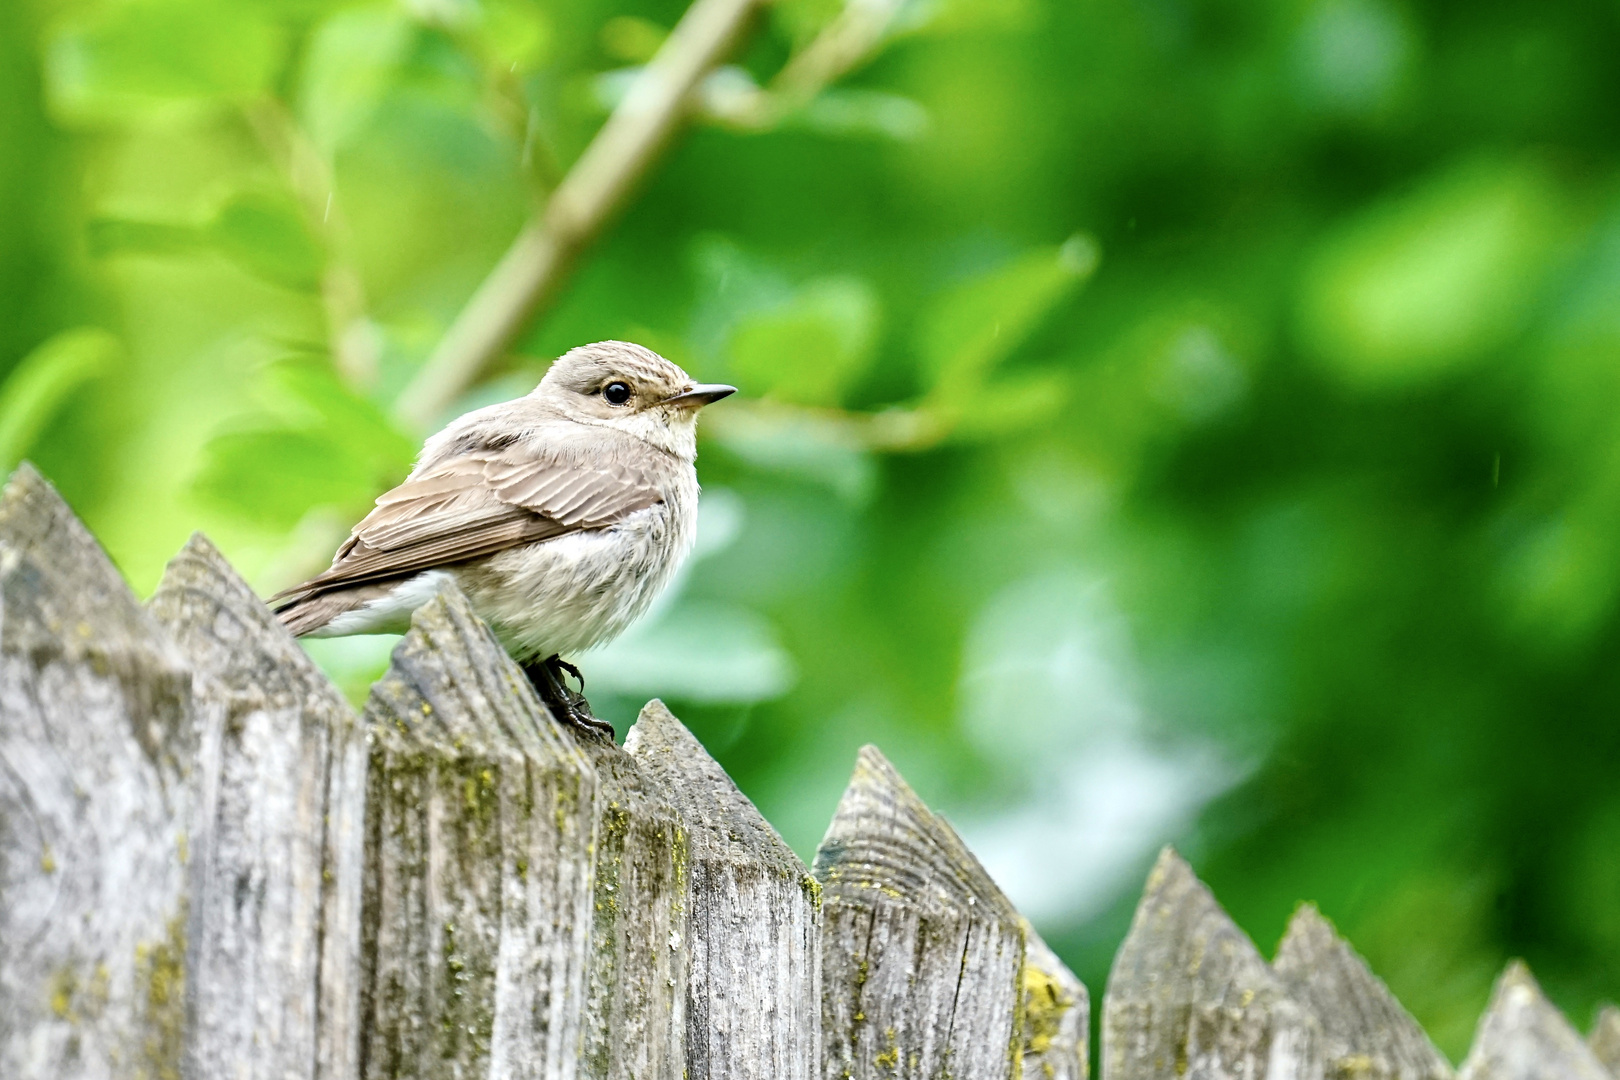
(699, 395)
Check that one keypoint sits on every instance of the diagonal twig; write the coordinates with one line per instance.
(850, 40)
(532, 268)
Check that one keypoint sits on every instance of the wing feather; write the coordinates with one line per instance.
(477, 504)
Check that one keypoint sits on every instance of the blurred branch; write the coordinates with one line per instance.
(535, 264)
(847, 42)
(981, 323)
(901, 429)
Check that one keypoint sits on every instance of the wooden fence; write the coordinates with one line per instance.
(211, 868)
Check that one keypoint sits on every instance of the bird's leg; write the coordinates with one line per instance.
(565, 704)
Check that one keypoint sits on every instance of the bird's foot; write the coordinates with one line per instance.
(566, 704)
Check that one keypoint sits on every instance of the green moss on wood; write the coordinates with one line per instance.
(160, 974)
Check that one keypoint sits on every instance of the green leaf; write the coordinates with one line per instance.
(801, 20)
(319, 444)
(354, 59)
(701, 652)
(811, 349)
(274, 477)
(516, 34)
(265, 234)
(106, 236)
(1430, 283)
(804, 445)
(631, 39)
(38, 386)
(127, 61)
(973, 327)
(365, 432)
(999, 410)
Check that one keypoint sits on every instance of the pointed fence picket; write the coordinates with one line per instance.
(1605, 1038)
(210, 867)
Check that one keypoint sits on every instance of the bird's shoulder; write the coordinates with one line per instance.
(522, 457)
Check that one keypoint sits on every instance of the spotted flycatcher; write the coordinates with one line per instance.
(561, 515)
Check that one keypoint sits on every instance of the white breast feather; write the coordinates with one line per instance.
(579, 590)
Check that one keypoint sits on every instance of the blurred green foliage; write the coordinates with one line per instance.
(1163, 420)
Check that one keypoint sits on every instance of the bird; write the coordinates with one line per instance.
(561, 515)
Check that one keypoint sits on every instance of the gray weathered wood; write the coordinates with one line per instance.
(636, 1014)
(1189, 996)
(272, 968)
(922, 956)
(1522, 1036)
(1605, 1038)
(95, 744)
(481, 822)
(1365, 1032)
(1057, 1016)
(753, 995)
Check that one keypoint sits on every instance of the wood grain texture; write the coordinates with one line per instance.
(922, 956)
(1189, 995)
(1605, 1038)
(272, 967)
(754, 991)
(95, 746)
(1365, 1032)
(481, 822)
(1057, 1016)
(636, 1012)
(1522, 1036)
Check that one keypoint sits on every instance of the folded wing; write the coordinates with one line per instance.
(475, 505)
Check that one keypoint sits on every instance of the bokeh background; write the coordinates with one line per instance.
(1178, 421)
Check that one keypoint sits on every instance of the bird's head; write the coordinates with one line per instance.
(621, 385)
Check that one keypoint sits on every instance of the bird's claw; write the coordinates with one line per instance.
(572, 670)
(577, 711)
(565, 704)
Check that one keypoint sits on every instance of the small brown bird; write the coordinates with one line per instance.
(561, 515)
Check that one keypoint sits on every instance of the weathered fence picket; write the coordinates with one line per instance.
(906, 910)
(1191, 996)
(480, 828)
(211, 868)
(1605, 1038)
(95, 740)
(1057, 1016)
(1523, 1037)
(272, 965)
(754, 988)
(1365, 1032)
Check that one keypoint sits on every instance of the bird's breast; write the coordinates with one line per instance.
(568, 593)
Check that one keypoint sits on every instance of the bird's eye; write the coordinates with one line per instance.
(616, 393)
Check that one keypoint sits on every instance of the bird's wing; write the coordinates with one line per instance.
(475, 505)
